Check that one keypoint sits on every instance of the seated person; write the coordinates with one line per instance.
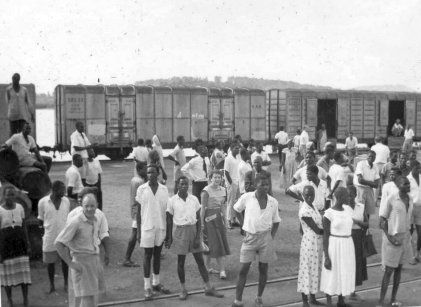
(27, 151)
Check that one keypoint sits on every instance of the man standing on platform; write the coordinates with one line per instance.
(382, 157)
(73, 180)
(260, 231)
(395, 221)
(366, 179)
(20, 108)
(79, 144)
(197, 169)
(304, 139)
(52, 213)
(351, 143)
(282, 138)
(183, 210)
(152, 198)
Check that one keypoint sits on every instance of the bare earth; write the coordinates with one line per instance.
(127, 283)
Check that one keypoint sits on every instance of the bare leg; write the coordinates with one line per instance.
(25, 294)
(385, 283)
(418, 240)
(65, 271)
(396, 282)
(157, 259)
(263, 277)
(51, 268)
(242, 278)
(181, 259)
(147, 262)
(198, 257)
(9, 295)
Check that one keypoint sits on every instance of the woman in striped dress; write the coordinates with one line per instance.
(14, 262)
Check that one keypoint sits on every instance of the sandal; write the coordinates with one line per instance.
(396, 304)
(213, 271)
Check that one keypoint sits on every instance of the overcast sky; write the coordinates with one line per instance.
(337, 43)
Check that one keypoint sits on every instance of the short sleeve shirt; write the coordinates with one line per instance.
(231, 166)
(93, 170)
(141, 153)
(179, 156)
(304, 138)
(399, 218)
(351, 144)
(282, 137)
(321, 192)
(367, 172)
(255, 218)
(79, 140)
(21, 146)
(415, 191)
(53, 219)
(103, 230)
(409, 134)
(73, 179)
(243, 168)
(382, 153)
(153, 206)
(337, 173)
(183, 212)
(301, 173)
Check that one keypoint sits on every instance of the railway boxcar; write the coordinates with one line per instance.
(4, 122)
(116, 116)
(367, 114)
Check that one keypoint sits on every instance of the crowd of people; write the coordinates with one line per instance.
(228, 189)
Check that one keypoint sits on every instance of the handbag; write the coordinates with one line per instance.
(368, 245)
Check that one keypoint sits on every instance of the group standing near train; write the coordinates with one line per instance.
(229, 188)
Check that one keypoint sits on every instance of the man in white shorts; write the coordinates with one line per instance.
(152, 197)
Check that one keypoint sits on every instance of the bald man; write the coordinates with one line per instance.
(78, 245)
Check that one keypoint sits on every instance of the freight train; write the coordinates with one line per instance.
(116, 116)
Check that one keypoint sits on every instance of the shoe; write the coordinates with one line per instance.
(413, 261)
(130, 264)
(213, 292)
(396, 304)
(356, 297)
(183, 295)
(161, 288)
(213, 271)
(234, 304)
(148, 294)
(223, 275)
(258, 302)
(316, 303)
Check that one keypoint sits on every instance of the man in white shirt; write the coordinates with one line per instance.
(73, 180)
(179, 159)
(52, 213)
(183, 210)
(261, 222)
(351, 143)
(397, 128)
(152, 198)
(297, 138)
(390, 188)
(337, 173)
(263, 154)
(301, 173)
(366, 179)
(382, 157)
(304, 139)
(243, 167)
(79, 144)
(27, 151)
(140, 154)
(321, 191)
(232, 181)
(93, 175)
(409, 135)
(197, 169)
(282, 138)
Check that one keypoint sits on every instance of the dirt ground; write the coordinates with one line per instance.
(127, 283)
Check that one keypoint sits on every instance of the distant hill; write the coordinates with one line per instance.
(232, 82)
(385, 88)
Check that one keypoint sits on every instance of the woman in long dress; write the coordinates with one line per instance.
(289, 164)
(14, 260)
(338, 273)
(311, 250)
(213, 199)
(321, 138)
